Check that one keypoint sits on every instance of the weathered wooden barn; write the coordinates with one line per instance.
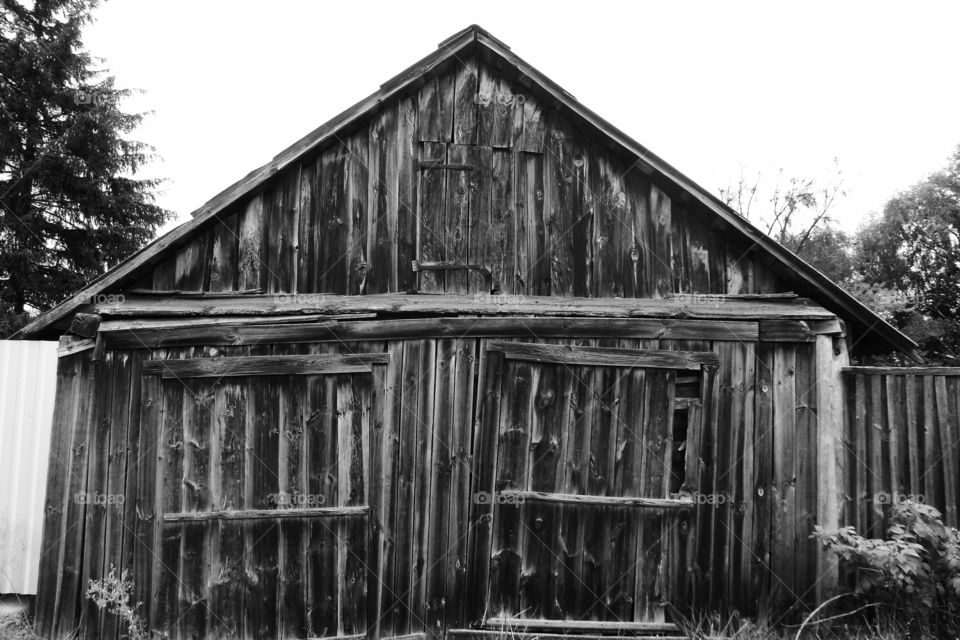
(465, 358)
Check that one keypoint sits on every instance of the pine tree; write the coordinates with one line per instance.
(70, 204)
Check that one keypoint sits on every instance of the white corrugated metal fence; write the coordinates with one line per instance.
(28, 378)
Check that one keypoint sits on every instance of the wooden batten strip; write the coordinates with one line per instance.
(514, 496)
(265, 365)
(602, 356)
(139, 334)
(267, 514)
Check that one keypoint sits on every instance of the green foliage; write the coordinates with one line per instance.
(914, 249)
(915, 571)
(70, 205)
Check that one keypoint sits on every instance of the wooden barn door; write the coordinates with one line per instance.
(581, 469)
(261, 505)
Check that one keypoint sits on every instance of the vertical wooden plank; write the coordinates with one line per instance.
(536, 598)
(861, 495)
(636, 268)
(446, 88)
(532, 141)
(145, 508)
(438, 500)
(533, 267)
(583, 187)
(190, 270)
(250, 251)
(94, 525)
(511, 472)
(946, 421)
(558, 209)
(405, 518)
(423, 461)
(486, 106)
(261, 536)
(321, 464)
(429, 112)
(308, 206)
(502, 222)
(72, 379)
(464, 392)
(663, 248)
(484, 467)
(831, 457)
(228, 596)
(807, 467)
(480, 249)
(407, 178)
(762, 487)
(351, 570)
(432, 216)
(745, 505)
(117, 540)
(456, 230)
(596, 565)
(384, 447)
(911, 392)
(163, 277)
(382, 215)
(626, 481)
(195, 496)
(293, 534)
(932, 489)
(878, 466)
(355, 196)
(280, 231)
(894, 404)
(168, 499)
(466, 87)
(784, 489)
(331, 237)
(223, 255)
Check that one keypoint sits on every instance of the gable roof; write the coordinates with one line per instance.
(876, 333)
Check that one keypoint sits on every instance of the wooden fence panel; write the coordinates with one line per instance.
(902, 441)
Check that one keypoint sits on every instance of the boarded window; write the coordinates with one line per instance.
(262, 498)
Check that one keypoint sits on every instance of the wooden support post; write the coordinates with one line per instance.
(831, 358)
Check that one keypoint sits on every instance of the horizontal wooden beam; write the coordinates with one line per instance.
(516, 634)
(525, 624)
(70, 345)
(265, 365)
(140, 333)
(903, 371)
(267, 514)
(604, 356)
(454, 305)
(595, 501)
(798, 330)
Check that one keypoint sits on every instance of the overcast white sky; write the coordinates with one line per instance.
(708, 86)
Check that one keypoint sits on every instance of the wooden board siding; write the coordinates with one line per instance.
(428, 432)
(519, 191)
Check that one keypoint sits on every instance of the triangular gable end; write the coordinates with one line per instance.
(469, 106)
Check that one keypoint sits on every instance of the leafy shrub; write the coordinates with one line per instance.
(113, 595)
(915, 571)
